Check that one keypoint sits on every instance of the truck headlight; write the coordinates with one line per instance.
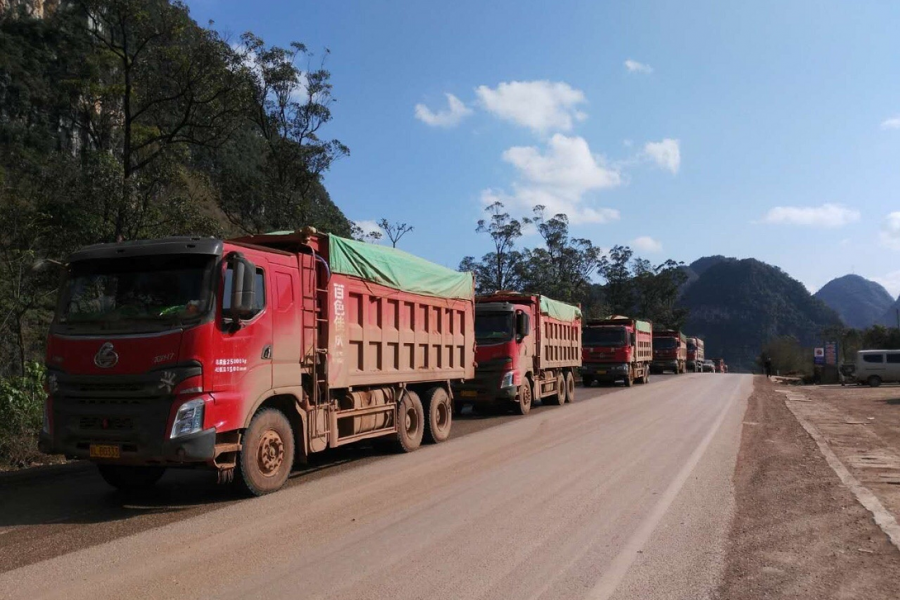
(189, 418)
(508, 379)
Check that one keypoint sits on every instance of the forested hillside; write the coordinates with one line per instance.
(859, 302)
(124, 119)
(737, 306)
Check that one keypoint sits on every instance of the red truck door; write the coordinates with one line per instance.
(242, 364)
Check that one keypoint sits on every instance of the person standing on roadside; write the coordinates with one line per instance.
(768, 364)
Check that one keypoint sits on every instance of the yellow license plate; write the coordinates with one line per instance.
(105, 451)
(469, 394)
(601, 372)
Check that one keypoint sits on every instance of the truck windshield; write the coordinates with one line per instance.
(603, 336)
(493, 328)
(664, 343)
(153, 292)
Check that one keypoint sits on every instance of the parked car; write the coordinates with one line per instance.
(877, 366)
(708, 366)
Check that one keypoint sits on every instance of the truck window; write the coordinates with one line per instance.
(259, 302)
(664, 343)
(602, 336)
(873, 358)
(493, 328)
(893, 358)
(152, 291)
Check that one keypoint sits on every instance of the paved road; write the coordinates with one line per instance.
(620, 495)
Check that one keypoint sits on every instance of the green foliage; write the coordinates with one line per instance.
(21, 414)
(501, 268)
(739, 306)
(124, 119)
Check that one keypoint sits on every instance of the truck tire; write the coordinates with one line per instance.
(127, 478)
(559, 398)
(411, 422)
(874, 381)
(570, 387)
(438, 415)
(526, 397)
(267, 453)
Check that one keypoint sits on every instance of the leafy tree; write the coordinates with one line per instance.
(563, 268)
(657, 290)
(500, 269)
(615, 268)
(280, 185)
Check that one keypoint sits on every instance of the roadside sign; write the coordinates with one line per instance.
(831, 353)
(819, 356)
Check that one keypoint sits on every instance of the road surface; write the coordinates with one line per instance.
(624, 494)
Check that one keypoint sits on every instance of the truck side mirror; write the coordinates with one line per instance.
(523, 325)
(243, 286)
(633, 339)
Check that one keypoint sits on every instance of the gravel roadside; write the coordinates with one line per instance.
(797, 532)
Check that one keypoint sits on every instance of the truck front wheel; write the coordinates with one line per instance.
(525, 397)
(128, 478)
(267, 453)
(439, 415)
(410, 422)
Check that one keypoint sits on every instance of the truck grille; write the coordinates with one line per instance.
(105, 424)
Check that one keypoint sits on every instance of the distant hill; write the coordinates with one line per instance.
(697, 268)
(739, 305)
(889, 317)
(859, 302)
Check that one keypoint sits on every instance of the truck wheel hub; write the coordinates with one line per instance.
(271, 453)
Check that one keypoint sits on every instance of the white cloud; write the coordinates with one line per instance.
(645, 243)
(890, 231)
(826, 216)
(634, 66)
(666, 154)
(559, 178)
(542, 106)
(455, 112)
(890, 281)
(892, 123)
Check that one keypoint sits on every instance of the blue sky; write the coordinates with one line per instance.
(764, 129)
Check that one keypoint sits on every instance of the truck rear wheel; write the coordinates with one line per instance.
(570, 387)
(525, 398)
(438, 415)
(267, 453)
(874, 381)
(410, 422)
(559, 398)
(128, 478)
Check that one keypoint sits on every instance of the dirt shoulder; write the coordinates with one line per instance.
(798, 532)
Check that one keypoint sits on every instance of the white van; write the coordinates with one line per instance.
(877, 366)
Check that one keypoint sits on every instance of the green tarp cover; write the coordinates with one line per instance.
(397, 269)
(643, 326)
(559, 310)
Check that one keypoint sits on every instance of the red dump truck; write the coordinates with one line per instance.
(616, 349)
(669, 351)
(695, 354)
(529, 348)
(243, 355)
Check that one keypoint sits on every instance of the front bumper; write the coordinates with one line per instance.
(664, 364)
(484, 389)
(197, 447)
(604, 371)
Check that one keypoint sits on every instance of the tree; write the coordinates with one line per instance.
(499, 269)
(614, 267)
(361, 235)
(657, 289)
(394, 231)
(161, 84)
(279, 186)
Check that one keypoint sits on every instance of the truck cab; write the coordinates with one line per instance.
(669, 351)
(606, 353)
(503, 353)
